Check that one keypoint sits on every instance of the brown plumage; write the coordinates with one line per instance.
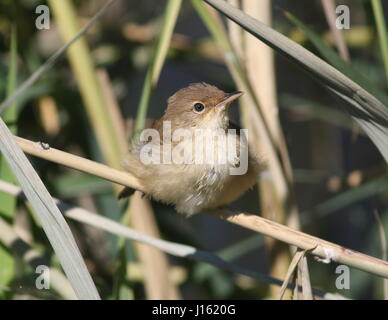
(194, 187)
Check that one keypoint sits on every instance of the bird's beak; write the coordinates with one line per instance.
(229, 97)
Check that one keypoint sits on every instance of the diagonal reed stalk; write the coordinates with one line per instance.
(322, 248)
(260, 69)
(335, 60)
(53, 223)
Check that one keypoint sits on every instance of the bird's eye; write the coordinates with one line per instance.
(199, 107)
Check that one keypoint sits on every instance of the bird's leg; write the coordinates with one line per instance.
(218, 210)
(127, 192)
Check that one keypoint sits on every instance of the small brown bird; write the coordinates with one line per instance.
(172, 173)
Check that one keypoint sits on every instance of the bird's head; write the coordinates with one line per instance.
(200, 105)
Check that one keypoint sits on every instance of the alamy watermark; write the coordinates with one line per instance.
(342, 282)
(196, 147)
(43, 280)
(343, 17)
(42, 22)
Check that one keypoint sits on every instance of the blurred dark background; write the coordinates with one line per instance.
(339, 176)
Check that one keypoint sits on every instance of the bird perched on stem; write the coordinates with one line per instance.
(194, 157)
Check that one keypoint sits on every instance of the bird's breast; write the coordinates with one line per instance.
(196, 172)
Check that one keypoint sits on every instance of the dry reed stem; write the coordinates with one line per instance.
(291, 270)
(84, 165)
(331, 16)
(323, 249)
(49, 117)
(261, 73)
(113, 110)
(259, 64)
(304, 277)
(260, 69)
